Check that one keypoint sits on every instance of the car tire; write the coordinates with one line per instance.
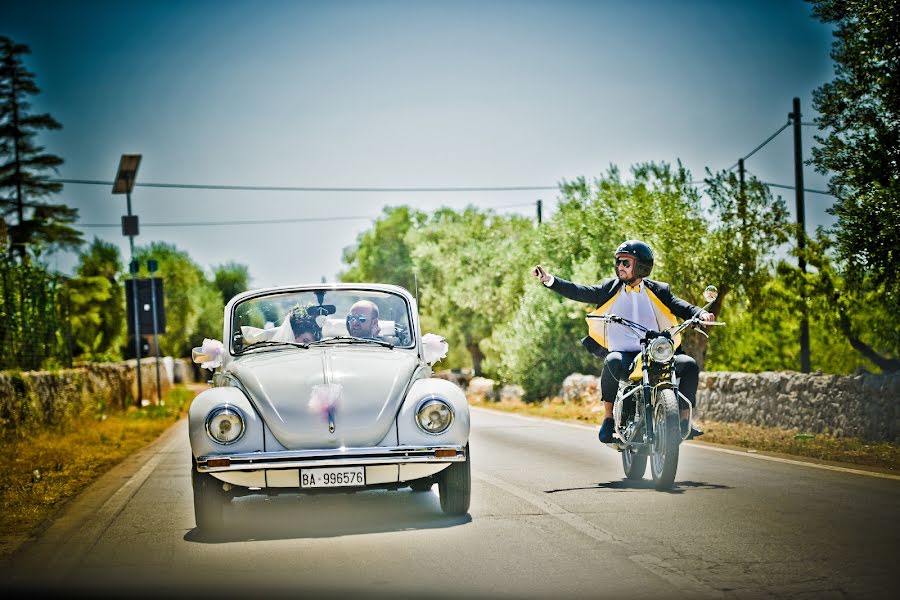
(421, 485)
(209, 500)
(455, 487)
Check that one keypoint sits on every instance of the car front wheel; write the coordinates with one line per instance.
(209, 500)
(455, 487)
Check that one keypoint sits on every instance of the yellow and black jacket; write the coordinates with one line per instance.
(666, 306)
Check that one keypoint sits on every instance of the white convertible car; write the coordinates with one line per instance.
(325, 388)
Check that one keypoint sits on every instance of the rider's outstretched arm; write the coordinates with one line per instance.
(592, 294)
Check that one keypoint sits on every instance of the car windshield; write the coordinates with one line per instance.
(317, 317)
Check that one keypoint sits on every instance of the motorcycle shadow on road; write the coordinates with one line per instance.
(626, 485)
(328, 515)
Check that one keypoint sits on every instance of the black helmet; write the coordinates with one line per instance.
(643, 256)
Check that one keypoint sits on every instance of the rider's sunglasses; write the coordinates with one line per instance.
(361, 318)
(625, 262)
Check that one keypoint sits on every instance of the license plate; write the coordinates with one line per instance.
(332, 477)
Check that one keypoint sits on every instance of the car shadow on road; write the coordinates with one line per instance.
(679, 487)
(328, 515)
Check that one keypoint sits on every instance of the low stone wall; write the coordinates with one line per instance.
(35, 400)
(862, 406)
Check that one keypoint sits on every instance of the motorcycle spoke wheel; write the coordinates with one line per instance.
(633, 464)
(667, 434)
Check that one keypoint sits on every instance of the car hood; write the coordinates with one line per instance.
(327, 397)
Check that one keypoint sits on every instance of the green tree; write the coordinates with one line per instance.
(34, 328)
(382, 254)
(231, 279)
(860, 111)
(98, 302)
(192, 304)
(22, 183)
(472, 269)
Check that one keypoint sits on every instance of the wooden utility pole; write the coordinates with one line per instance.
(805, 365)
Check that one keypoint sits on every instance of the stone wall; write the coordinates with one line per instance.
(862, 406)
(35, 400)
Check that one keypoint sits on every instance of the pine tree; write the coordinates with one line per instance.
(24, 217)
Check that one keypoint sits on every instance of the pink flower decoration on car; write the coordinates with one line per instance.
(324, 400)
(215, 350)
(434, 348)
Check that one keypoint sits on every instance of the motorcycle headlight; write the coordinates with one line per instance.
(662, 349)
(434, 415)
(225, 424)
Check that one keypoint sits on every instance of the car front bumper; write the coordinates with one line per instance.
(333, 457)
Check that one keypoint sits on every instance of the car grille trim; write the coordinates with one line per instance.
(293, 459)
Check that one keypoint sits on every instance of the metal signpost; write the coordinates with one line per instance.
(152, 266)
(124, 183)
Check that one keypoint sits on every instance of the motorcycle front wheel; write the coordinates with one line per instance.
(667, 434)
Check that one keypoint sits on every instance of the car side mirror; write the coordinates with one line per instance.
(198, 356)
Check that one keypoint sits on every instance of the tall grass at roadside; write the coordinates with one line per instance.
(38, 474)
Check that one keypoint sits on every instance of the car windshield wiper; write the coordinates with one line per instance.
(354, 340)
(265, 343)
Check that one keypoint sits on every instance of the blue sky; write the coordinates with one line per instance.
(390, 94)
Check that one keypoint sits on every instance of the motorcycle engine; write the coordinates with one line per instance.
(623, 413)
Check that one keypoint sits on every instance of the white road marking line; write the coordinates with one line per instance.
(552, 509)
(747, 454)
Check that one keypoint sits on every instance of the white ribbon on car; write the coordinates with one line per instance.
(282, 333)
(434, 348)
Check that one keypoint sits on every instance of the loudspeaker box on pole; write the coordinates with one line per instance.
(145, 306)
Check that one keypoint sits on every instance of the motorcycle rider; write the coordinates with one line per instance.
(648, 302)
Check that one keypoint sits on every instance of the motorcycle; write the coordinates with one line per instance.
(648, 405)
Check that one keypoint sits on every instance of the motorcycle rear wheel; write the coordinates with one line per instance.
(634, 464)
(667, 434)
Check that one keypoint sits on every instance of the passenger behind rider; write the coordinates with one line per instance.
(362, 320)
(622, 296)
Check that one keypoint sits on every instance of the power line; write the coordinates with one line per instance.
(791, 187)
(755, 150)
(269, 188)
(216, 223)
(266, 221)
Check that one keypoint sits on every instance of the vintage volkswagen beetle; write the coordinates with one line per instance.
(314, 391)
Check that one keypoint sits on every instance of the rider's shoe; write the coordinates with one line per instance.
(694, 431)
(607, 430)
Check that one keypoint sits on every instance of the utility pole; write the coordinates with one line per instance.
(742, 213)
(540, 207)
(124, 183)
(805, 366)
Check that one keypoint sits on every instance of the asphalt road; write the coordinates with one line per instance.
(551, 516)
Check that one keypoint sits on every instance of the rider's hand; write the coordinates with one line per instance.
(707, 317)
(539, 272)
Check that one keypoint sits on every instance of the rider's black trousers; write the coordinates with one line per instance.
(616, 367)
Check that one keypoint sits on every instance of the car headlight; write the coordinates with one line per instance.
(434, 415)
(225, 424)
(662, 349)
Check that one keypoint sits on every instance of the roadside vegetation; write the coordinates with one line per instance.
(38, 474)
(880, 456)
